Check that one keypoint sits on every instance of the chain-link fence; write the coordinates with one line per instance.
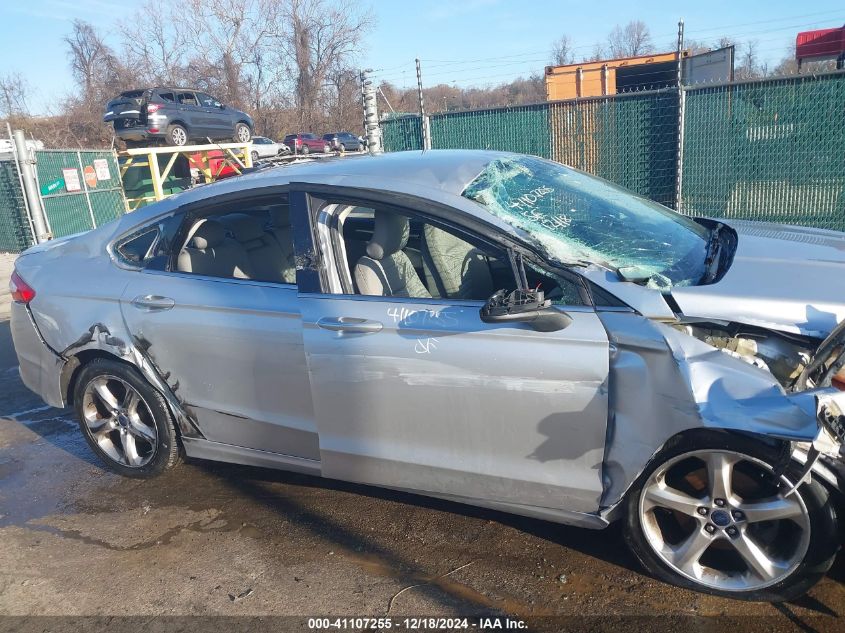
(80, 189)
(630, 139)
(771, 150)
(15, 234)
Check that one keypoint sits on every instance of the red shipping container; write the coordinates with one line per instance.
(820, 43)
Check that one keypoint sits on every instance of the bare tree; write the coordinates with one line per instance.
(320, 39)
(562, 51)
(630, 40)
(224, 35)
(93, 63)
(155, 45)
(750, 66)
(13, 89)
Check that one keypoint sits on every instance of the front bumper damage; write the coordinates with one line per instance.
(824, 455)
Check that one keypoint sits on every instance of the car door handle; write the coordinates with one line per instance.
(349, 324)
(153, 303)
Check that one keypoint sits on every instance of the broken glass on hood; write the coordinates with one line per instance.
(576, 217)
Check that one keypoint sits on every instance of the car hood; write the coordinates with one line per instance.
(786, 278)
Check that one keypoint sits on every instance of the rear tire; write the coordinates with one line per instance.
(243, 134)
(177, 135)
(254, 156)
(306, 150)
(125, 421)
(685, 533)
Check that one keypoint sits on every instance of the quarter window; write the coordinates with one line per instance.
(135, 249)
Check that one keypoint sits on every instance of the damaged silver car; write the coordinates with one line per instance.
(485, 327)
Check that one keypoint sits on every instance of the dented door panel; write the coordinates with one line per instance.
(232, 353)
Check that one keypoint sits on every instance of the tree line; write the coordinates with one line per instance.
(291, 64)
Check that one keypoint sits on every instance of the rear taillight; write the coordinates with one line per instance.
(21, 291)
(152, 107)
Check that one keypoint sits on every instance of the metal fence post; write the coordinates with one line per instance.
(33, 196)
(85, 188)
(682, 101)
(426, 137)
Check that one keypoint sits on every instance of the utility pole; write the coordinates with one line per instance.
(682, 102)
(426, 130)
(371, 124)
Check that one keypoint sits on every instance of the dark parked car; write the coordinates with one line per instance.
(175, 115)
(343, 141)
(307, 143)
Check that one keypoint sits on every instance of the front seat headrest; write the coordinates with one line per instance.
(390, 234)
(244, 227)
(209, 234)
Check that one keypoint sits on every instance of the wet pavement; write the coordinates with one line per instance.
(214, 539)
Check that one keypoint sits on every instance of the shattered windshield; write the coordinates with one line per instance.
(578, 217)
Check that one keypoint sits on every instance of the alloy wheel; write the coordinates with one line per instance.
(243, 134)
(120, 421)
(178, 136)
(718, 518)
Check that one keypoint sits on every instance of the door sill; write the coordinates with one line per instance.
(216, 451)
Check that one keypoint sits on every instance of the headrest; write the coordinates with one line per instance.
(209, 234)
(244, 227)
(390, 234)
(281, 216)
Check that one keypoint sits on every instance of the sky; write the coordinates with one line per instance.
(460, 42)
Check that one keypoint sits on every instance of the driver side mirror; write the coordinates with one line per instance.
(524, 306)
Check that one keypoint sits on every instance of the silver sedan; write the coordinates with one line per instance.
(486, 327)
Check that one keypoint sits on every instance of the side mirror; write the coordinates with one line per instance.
(530, 307)
(220, 105)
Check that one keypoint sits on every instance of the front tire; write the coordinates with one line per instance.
(708, 515)
(125, 420)
(254, 156)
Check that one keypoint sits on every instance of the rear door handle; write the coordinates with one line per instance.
(349, 324)
(153, 303)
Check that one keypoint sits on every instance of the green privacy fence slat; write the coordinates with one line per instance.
(401, 134)
(523, 129)
(69, 211)
(15, 235)
(772, 151)
(630, 139)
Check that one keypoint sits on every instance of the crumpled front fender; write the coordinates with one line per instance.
(664, 382)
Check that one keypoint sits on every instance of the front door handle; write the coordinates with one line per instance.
(349, 324)
(153, 303)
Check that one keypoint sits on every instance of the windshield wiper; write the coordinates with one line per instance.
(711, 253)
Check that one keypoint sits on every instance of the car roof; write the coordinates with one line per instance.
(447, 170)
(439, 175)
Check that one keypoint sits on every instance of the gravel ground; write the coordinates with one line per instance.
(211, 539)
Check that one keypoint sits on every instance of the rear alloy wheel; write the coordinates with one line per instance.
(242, 133)
(327, 149)
(124, 419)
(709, 516)
(254, 156)
(176, 135)
(306, 149)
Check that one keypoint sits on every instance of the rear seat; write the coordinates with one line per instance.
(210, 252)
(266, 257)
